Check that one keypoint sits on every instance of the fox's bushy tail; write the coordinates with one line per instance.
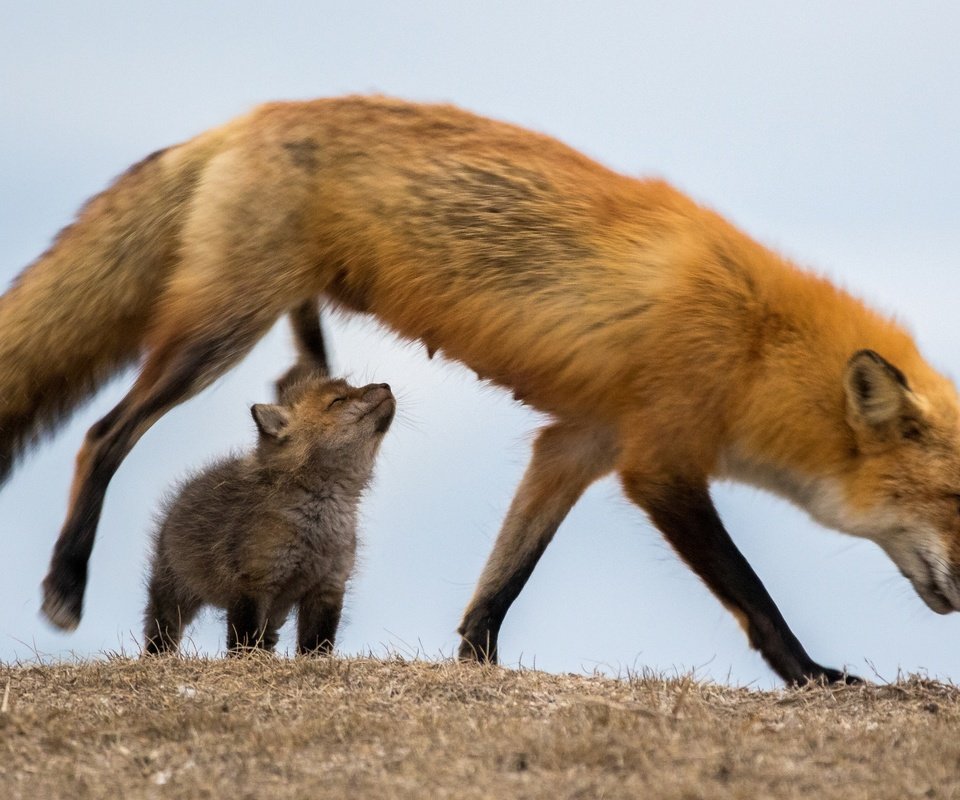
(80, 312)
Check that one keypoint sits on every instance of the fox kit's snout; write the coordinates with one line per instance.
(325, 417)
(259, 534)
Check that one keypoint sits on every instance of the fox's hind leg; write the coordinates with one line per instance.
(566, 460)
(245, 259)
(175, 370)
(311, 349)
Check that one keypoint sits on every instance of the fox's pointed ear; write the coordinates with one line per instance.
(272, 421)
(879, 400)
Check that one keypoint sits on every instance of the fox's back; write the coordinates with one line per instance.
(585, 292)
(500, 247)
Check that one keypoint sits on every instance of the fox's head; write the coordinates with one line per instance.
(901, 483)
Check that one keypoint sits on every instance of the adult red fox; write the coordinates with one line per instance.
(667, 346)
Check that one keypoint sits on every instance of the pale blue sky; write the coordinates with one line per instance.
(828, 130)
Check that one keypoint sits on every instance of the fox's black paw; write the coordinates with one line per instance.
(63, 597)
(826, 675)
(482, 654)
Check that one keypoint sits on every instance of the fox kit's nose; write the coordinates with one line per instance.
(376, 388)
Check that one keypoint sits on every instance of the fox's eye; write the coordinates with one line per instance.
(336, 401)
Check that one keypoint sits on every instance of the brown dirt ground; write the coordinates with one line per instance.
(175, 727)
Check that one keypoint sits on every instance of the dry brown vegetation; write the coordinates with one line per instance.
(267, 727)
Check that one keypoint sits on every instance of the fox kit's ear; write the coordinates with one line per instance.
(879, 400)
(271, 420)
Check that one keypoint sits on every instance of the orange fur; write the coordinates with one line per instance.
(631, 314)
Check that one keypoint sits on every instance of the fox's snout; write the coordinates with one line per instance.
(939, 588)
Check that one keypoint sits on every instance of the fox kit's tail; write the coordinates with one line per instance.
(80, 312)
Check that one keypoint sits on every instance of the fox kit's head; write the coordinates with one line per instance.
(324, 423)
(902, 484)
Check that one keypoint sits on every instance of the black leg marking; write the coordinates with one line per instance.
(245, 625)
(269, 639)
(66, 582)
(198, 365)
(566, 460)
(163, 627)
(480, 628)
(308, 333)
(311, 349)
(108, 443)
(169, 610)
(318, 617)
(687, 518)
(103, 425)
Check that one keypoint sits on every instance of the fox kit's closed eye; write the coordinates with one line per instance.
(276, 528)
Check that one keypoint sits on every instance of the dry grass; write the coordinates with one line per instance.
(267, 727)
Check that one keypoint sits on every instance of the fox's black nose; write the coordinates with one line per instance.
(385, 386)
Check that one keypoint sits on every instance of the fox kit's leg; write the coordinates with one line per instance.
(566, 460)
(169, 610)
(685, 514)
(276, 616)
(318, 616)
(308, 339)
(246, 624)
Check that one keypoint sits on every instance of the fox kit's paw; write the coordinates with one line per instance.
(63, 597)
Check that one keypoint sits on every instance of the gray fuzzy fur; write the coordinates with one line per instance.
(260, 533)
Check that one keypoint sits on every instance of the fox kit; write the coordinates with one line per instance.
(667, 346)
(259, 534)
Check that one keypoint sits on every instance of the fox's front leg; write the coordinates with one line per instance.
(566, 460)
(685, 514)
